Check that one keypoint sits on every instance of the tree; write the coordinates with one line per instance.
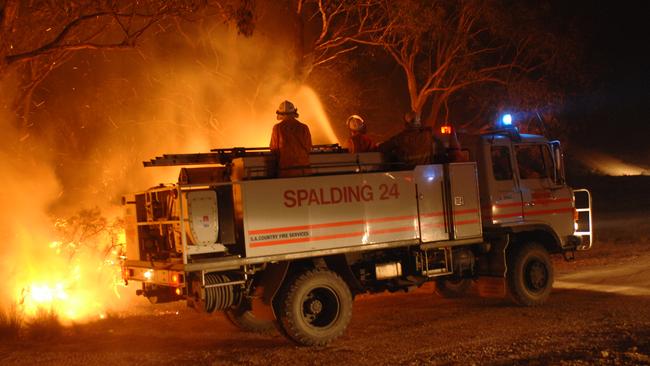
(446, 47)
(325, 30)
(38, 36)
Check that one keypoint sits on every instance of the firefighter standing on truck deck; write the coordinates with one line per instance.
(412, 146)
(290, 142)
(359, 142)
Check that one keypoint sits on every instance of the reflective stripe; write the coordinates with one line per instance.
(534, 213)
(329, 224)
(333, 236)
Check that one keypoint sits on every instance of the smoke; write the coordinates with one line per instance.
(185, 90)
(30, 186)
(97, 118)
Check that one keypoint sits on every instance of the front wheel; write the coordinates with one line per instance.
(530, 275)
(315, 308)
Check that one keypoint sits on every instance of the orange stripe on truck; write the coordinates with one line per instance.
(333, 236)
(329, 224)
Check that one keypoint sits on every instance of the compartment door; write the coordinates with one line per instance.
(429, 180)
(464, 200)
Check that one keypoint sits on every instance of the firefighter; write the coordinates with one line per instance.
(359, 142)
(290, 142)
(412, 146)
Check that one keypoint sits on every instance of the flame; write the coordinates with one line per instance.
(75, 280)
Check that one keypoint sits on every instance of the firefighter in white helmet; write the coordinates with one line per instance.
(358, 142)
(290, 142)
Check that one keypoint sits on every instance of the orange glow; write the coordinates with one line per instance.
(609, 165)
(446, 130)
(174, 278)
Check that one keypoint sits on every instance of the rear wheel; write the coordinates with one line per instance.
(243, 318)
(530, 275)
(453, 288)
(315, 308)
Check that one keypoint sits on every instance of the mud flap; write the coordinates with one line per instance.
(270, 282)
(259, 308)
(493, 268)
(491, 286)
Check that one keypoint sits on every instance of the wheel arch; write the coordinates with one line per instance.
(538, 233)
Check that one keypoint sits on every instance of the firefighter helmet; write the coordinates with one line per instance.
(286, 109)
(356, 123)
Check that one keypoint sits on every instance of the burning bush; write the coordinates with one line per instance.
(82, 271)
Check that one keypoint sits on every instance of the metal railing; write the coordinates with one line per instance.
(579, 209)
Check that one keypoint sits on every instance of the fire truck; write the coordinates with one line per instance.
(292, 253)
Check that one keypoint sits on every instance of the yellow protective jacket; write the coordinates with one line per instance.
(291, 144)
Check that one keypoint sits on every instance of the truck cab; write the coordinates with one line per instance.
(523, 188)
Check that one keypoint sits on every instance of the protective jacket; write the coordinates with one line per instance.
(360, 142)
(413, 146)
(291, 144)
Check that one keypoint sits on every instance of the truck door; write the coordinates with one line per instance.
(544, 200)
(505, 196)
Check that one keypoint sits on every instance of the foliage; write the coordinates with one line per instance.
(88, 230)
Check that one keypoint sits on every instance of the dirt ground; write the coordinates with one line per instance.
(598, 314)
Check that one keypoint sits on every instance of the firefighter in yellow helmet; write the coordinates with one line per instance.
(290, 142)
(359, 142)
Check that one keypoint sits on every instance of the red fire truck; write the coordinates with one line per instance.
(292, 253)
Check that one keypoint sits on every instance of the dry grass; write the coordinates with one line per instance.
(44, 325)
(11, 322)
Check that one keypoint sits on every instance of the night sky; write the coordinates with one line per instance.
(615, 108)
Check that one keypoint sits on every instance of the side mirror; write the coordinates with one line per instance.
(558, 162)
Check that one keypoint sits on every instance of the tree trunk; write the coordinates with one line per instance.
(434, 113)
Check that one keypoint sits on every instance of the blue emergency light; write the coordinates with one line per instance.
(506, 120)
(505, 125)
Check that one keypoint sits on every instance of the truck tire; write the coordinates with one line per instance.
(314, 308)
(530, 275)
(453, 288)
(243, 318)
